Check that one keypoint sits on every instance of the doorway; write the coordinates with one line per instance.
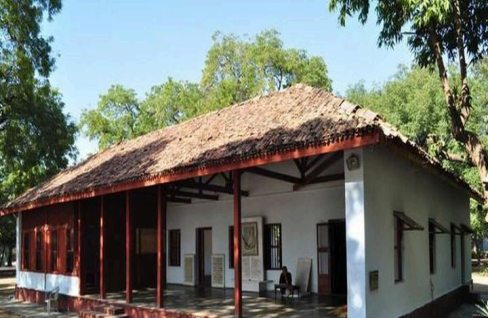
(331, 255)
(204, 256)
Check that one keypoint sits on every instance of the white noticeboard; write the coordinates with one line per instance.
(189, 269)
(302, 278)
(218, 270)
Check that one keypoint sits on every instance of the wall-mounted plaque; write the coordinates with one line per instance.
(189, 269)
(373, 280)
(218, 270)
(250, 239)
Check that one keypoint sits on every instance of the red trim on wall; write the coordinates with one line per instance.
(355, 142)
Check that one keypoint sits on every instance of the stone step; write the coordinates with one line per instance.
(113, 310)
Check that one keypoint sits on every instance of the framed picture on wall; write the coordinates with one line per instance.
(250, 239)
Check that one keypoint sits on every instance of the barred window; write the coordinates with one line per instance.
(272, 246)
(174, 248)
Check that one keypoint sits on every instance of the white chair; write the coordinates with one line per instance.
(51, 300)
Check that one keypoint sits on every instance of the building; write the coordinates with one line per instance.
(304, 177)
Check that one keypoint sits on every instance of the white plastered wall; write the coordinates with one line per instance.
(297, 211)
(393, 183)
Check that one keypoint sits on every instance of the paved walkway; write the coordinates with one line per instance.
(11, 308)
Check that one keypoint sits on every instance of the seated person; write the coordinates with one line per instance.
(285, 279)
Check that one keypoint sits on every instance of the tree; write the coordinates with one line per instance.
(36, 137)
(25, 52)
(437, 30)
(169, 104)
(115, 117)
(235, 70)
(413, 101)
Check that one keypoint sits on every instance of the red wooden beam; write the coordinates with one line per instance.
(236, 178)
(274, 175)
(129, 249)
(354, 142)
(161, 283)
(103, 232)
(81, 250)
(326, 163)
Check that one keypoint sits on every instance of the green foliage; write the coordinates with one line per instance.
(413, 101)
(36, 137)
(417, 19)
(235, 70)
(115, 117)
(483, 308)
(169, 104)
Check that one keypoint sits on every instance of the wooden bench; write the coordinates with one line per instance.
(293, 289)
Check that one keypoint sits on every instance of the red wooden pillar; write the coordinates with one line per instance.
(129, 250)
(161, 246)
(236, 179)
(81, 250)
(103, 228)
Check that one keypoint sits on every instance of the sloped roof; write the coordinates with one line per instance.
(295, 118)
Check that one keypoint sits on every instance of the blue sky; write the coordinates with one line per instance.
(139, 43)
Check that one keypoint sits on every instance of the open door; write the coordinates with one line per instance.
(323, 257)
(204, 256)
(338, 265)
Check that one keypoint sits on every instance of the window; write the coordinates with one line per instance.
(174, 248)
(432, 248)
(39, 250)
(398, 249)
(70, 250)
(26, 258)
(272, 246)
(54, 251)
(453, 246)
(231, 247)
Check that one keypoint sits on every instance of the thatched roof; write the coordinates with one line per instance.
(295, 118)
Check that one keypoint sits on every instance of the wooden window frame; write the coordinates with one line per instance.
(38, 251)
(26, 257)
(54, 250)
(231, 247)
(398, 249)
(174, 259)
(268, 247)
(70, 250)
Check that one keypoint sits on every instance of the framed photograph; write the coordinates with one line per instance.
(250, 239)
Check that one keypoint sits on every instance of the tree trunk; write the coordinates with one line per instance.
(472, 144)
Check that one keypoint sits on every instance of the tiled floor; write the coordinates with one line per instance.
(220, 303)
